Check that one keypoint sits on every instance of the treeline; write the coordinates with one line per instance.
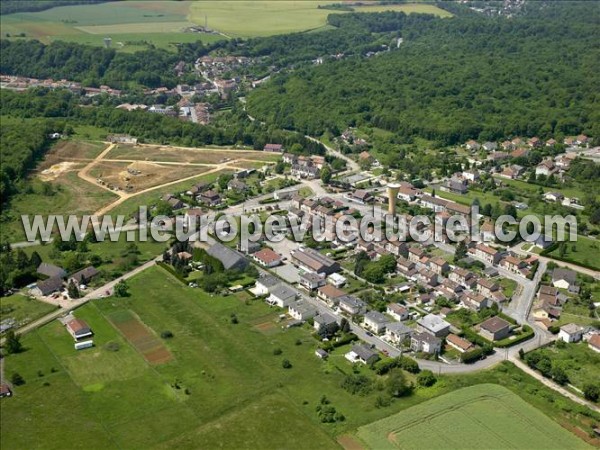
(453, 79)
(15, 6)
(93, 66)
(42, 102)
(23, 144)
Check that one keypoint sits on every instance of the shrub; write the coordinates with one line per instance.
(17, 379)
(286, 364)
(277, 351)
(357, 384)
(426, 378)
(112, 346)
(591, 392)
(166, 334)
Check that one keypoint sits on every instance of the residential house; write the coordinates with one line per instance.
(265, 284)
(50, 270)
(488, 233)
(396, 248)
(570, 333)
(458, 343)
(325, 324)
(282, 296)
(564, 278)
(405, 266)
(397, 311)
(434, 325)
(408, 194)
(396, 333)
(546, 168)
(47, 287)
(351, 305)
(455, 186)
(361, 196)
(472, 176)
(462, 277)
(425, 342)
(594, 343)
(173, 201)
(360, 353)
(321, 353)
(487, 287)
(513, 264)
(474, 301)
(553, 197)
(311, 280)
(5, 390)
(512, 171)
(330, 294)
(494, 328)
(273, 148)
(192, 218)
(78, 328)
(267, 257)
(238, 186)
(375, 322)
(439, 265)
(457, 208)
(415, 254)
(427, 278)
(490, 146)
(337, 280)
(302, 310)
(472, 145)
(486, 253)
(84, 276)
(519, 153)
(210, 198)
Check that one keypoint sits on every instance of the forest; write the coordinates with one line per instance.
(452, 79)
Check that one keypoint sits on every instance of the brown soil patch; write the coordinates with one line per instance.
(265, 326)
(137, 176)
(71, 151)
(349, 442)
(144, 341)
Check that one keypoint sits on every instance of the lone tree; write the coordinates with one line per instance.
(73, 290)
(13, 343)
(286, 364)
(122, 289)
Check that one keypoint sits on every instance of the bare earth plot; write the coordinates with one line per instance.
(187, 155)
(482, 416)
(142, 339)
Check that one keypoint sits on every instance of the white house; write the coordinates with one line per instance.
(425, 342)
(337, 280)
(570, 333)
(302, 311)
(265, 284)
(397, 332)
(397, 311)
(434, 325)
(375, 322)
(361, 354)
(282, 296)
(352, 305)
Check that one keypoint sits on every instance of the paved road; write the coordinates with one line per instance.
(350, 164)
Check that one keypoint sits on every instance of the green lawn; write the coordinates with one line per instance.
(483, 416)
(585, 252)
(23, 309)
(224, 388)
(578, 361)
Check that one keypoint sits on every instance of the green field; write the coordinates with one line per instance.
(162, 23)
(23, 309)
(584, 251)
(483, 416)
(266, 18)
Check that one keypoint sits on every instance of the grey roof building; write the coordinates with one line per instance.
(50, 270)
(228, 257)
(49, 286)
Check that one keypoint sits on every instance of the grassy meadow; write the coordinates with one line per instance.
(224, 387)
(23, 309)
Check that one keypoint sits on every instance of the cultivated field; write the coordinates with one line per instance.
(483, 416)
(266, 18)
(129, 24)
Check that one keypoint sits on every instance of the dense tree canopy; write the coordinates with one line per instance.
(453, 79)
